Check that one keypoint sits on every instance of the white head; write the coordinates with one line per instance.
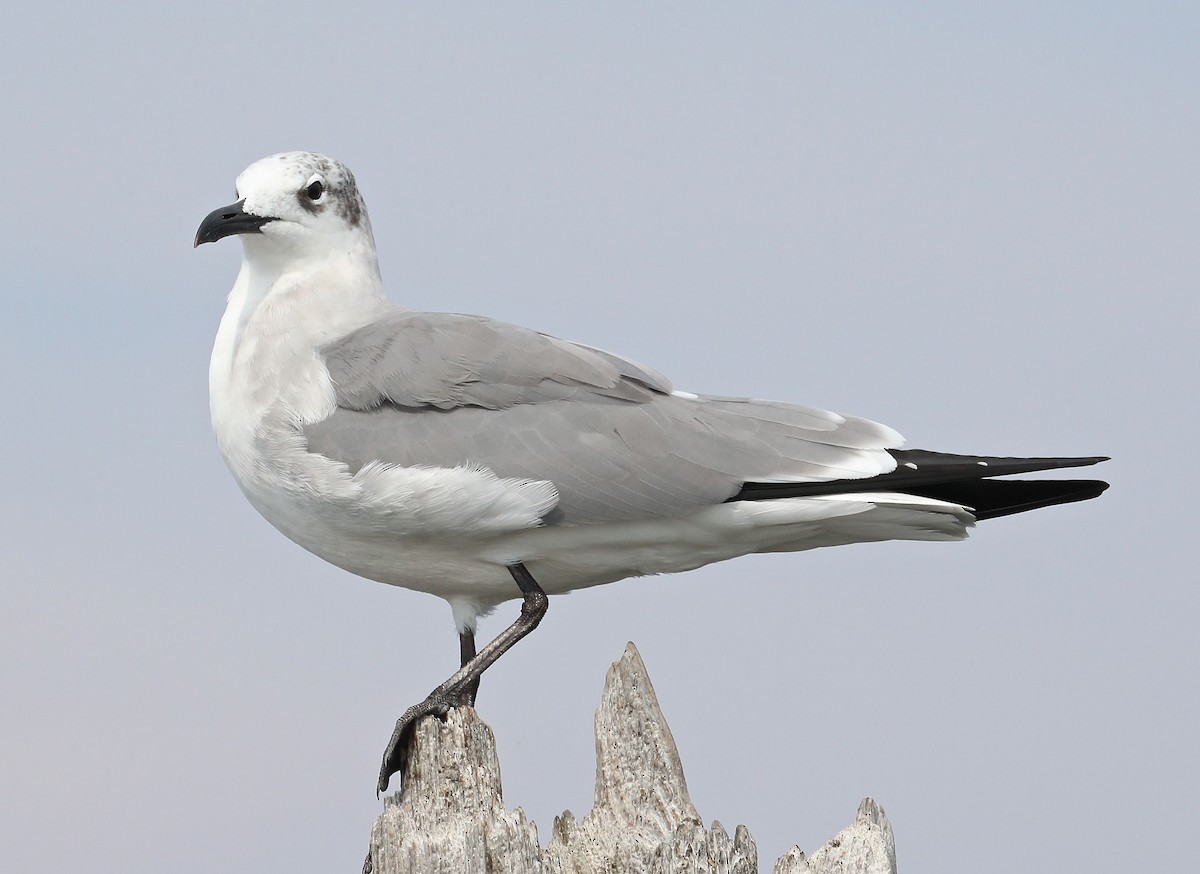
(293, 205)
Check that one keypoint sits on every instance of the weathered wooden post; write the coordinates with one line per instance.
(450, 816)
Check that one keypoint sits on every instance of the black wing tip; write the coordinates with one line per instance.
(986, 498)
(950, 459)
(1085, 460)
(996, 498)
(923, 467)
(970, 480)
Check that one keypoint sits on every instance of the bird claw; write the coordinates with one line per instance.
(460, 689)
(395, 756)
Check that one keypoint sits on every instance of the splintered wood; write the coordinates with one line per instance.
(450, 816)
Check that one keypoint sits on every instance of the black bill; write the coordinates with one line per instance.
(227, 221)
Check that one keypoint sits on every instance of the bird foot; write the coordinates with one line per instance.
(440, 702)
(460, 689)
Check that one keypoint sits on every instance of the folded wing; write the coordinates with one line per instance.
(452, 390)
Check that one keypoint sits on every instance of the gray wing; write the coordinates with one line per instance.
(446, 361)
(450, 390)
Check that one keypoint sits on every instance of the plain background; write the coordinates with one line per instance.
(975, 222)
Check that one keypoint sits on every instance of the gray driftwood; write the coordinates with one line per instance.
(450, 816)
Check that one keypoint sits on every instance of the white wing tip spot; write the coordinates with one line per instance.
(910, 465)
(982, 463)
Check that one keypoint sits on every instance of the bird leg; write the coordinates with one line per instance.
(466, 652)
(460, 688)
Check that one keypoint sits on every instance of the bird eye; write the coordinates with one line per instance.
(315, 189)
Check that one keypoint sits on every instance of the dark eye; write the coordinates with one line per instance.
(315, 190)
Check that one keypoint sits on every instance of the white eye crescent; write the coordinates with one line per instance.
(314, 188)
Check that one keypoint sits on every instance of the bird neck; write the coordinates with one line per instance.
(278, 317)
(310, 299)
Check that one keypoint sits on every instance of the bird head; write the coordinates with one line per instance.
(292, 203)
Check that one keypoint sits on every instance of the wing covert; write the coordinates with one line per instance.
(447, 390)
(446, 360)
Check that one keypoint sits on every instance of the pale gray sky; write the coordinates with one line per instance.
(977, 226)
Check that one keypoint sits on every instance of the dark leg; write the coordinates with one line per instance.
(453, 692)
(466, 652)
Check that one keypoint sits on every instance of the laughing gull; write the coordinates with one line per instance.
(481, 461)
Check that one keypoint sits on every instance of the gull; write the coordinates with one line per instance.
(481, 461)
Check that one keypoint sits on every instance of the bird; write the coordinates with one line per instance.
(482, 461)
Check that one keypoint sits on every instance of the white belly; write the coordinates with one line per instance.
(453, 532)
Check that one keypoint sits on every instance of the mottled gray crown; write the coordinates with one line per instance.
(343, 190)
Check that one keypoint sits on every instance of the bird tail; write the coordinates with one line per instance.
(967, 480)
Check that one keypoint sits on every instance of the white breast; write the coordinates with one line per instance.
(267, 380)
